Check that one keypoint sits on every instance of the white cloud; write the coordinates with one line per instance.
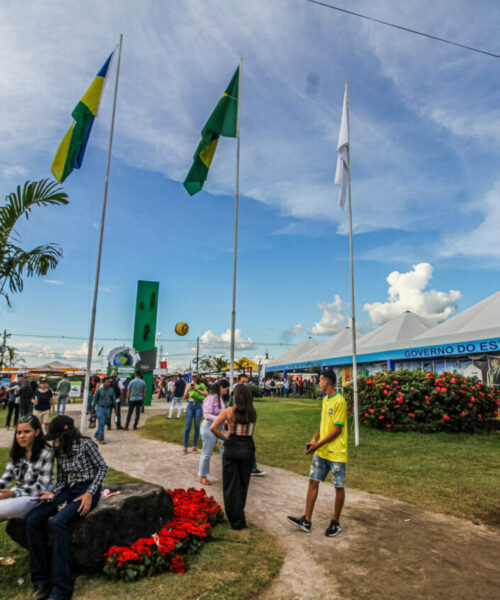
(36, 351)
(483, 239)
(53, 282)
(333, 319)
(209, 341)
(406, 292)
(296, 329)
(14, 170)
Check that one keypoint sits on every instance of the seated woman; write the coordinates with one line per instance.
(239, 453)
(30, 465)
(213, 405)
(80, 473)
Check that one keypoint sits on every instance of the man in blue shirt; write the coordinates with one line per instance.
(136, 392)
(104, 399)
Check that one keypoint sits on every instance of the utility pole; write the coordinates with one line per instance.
(197, 354)
(161, 355)
(3, 348)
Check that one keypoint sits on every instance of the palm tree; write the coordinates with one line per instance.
(220, 363)
(13, 357)
(14, 260)
(241, 365)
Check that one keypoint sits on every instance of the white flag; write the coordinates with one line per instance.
(341, 173)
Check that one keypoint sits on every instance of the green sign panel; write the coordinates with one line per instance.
(146, 310)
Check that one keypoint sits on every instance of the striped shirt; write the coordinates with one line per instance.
(85, 464)
(241, 428)
(31, 477)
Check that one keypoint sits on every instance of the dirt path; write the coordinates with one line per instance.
(388, 549)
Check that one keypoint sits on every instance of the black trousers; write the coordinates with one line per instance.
(12, 408)
(237, 463)
(116, 407)
(134, 405)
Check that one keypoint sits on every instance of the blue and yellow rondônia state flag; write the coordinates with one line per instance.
(71, 151)
(223, 121)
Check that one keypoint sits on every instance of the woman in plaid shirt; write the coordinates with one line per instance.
(80, 473)
(30, 466)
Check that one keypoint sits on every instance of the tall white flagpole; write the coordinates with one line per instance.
(353, 315)
(99, 251)
(236, 203)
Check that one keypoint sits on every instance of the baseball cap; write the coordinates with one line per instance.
(58, 426)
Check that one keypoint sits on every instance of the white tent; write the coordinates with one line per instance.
(294, 354)
(331, 346)
(399, 330)
(481, 321)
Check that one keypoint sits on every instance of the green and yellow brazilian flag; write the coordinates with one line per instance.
(71, 151)
(223, 121)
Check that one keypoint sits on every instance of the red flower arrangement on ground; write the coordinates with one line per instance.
(195, 515)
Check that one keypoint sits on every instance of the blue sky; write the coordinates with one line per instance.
(425, 134)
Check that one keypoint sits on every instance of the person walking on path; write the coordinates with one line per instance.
(117, 387)
(213, 405)
(329, 448)
(136, 392)
(30, 465)
(195, 393)
(170, 388)
(104, 399)
(239, 453)
(62, 390)
(42, 403)
(178, 395)
(13, 403)
(25, 394)
(80, 473)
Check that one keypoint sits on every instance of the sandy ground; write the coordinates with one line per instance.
(387, 550)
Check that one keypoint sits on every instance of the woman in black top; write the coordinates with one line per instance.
(42, 404)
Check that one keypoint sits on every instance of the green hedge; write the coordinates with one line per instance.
(425, 401)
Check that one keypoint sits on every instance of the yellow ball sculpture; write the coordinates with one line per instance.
(181, 328)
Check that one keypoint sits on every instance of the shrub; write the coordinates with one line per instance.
(256, 391)
(425, 401)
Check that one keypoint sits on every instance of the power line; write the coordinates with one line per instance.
(117, 339)
(407, 29)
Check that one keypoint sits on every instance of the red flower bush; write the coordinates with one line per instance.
(424, 401)
(195, 515)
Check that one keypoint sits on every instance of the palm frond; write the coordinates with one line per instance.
(23, 200)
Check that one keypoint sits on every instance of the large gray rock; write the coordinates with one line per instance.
(138, 511)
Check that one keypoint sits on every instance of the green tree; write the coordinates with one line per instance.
(240, 365)
(220, 363)
(15, 261)
(13, 357)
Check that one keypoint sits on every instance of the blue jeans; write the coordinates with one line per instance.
(103, 415)
(53, 571)
(209, 441)
(321, 467)
(25, 409)
(61, 400)
(176, 401)
(194, 410)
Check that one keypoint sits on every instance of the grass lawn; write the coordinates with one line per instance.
(444, 472)
(232, 565)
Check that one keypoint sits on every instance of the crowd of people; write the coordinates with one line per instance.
(28, 395)
(225, 418)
